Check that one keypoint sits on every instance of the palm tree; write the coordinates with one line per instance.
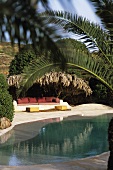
(98, 64)
(12, 19)
(36, 24)
(13, 16)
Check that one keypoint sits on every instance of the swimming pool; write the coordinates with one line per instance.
(53, 140)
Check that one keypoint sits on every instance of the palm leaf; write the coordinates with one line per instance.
(90, 34)
(36, 70)
(92, 66)
(75, 59)
(104, 9)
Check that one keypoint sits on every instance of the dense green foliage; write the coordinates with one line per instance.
(21, 60)
(6, 104)
(3, 83)
(27, 54)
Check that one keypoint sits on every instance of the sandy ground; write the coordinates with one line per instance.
(93, 163)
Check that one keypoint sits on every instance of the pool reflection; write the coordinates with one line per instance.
(58, 141)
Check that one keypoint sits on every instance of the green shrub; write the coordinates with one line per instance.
(23, 58)
(6, 104)
(3, 83)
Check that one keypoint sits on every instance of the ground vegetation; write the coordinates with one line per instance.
(6, 104)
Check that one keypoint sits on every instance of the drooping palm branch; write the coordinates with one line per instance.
(104, 9)
(74, 59)
(91, 34)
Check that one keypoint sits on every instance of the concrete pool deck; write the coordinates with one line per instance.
(93, 163)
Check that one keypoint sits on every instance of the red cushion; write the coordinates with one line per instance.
(23, 100)
(49, 99)
(32, 100)
(41, 100)
(19, 101)
(57, 100)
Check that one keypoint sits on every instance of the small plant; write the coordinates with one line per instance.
(6, 104)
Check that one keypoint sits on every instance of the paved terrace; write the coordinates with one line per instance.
(93, 163)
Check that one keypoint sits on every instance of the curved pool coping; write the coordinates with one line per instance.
(81, 110)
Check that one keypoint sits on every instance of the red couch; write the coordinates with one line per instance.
(42, 100)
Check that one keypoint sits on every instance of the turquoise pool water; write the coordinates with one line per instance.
(53, 140)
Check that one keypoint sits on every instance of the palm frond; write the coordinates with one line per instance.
(104, 9)
(75, 59)
(93, 67)
(68, 45)
(36, 70)
(89, 32)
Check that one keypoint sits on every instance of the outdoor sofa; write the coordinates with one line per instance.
(43, 103)
(34, 100)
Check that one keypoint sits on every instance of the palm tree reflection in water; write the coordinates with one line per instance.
(61, 141)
